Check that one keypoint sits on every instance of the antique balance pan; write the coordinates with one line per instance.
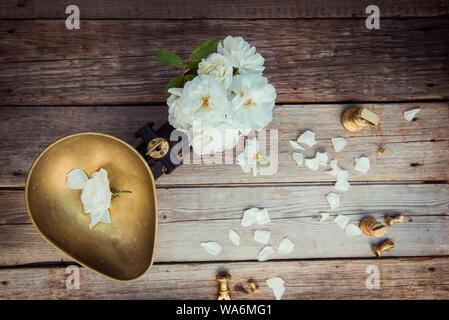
(124, 249)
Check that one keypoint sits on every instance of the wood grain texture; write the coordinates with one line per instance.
(310, 60)
(189, 216)
(416, 150)
(417, 278)
(206, 9)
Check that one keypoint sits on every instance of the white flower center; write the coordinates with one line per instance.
(248, 102)
(205, 103)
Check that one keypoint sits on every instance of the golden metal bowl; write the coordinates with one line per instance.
(122, 250)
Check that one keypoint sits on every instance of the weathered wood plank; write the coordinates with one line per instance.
(206, 214)
(423, 278)
(111, 62)
(250, 9)
(416, 150)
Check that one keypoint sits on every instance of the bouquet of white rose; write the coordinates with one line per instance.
(219, 95)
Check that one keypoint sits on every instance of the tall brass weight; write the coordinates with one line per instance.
(223, 293)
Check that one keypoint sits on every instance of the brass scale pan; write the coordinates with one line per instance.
(124, 249)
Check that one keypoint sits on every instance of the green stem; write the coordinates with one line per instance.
(116, 194)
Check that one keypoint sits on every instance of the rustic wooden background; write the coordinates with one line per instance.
(321, 59)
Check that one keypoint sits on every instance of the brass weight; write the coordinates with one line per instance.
(371, 227)
(356, 119)
(223, 293)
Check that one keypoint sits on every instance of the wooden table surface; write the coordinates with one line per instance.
(321, 59)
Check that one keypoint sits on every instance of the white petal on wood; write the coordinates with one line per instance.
(234, 237)
(335, 168)
(410, 114)
(296, 145)
(342, 221)
(278, 292)
(275, 282)
(299, 158)
(353, 230)
(322, 158)
(334, 200)
(76, 179)
(312, 164)
(307, 138)
(362, 164)
(249, 217)
(212, 248)
(267, 253)
(262, 217)
(277, 285)
(286, 246)
(339, 143)
(342, 183)
(324, 216)
(262, 236)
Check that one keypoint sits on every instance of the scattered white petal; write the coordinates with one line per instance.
(296, 145)
(212, 248)
(362, 164)
(299, 158)
(322, 158)
(334, 200)
(76, 179)
(353, 230)
(275, 282)
(262, 217)
(324, 216)
(278, 292)
(342, 221)
(286, 246)
(335, 168)
(307, 138)
(249, 217)
(342, 183)
(262, 236)
(278, 287)
(410, 114)
(312, 164)
(234, 237)
(266, 253)
(339, 143)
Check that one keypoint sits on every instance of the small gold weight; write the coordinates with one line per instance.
(384, 246)
(357, 118)
(397, 219)
(371, 227)
(223, 293)
(157, 148)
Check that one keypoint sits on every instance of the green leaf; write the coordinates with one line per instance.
(169, 58)
(177, 82)
(192, 65)
(204, 49)
(190, 76)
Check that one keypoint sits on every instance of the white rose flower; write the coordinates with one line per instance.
(96, 197)
(176, 115)
(242, 55)
(204, 99)
(207, 139)
(250, 157)
(253, 101)
(219, 67)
